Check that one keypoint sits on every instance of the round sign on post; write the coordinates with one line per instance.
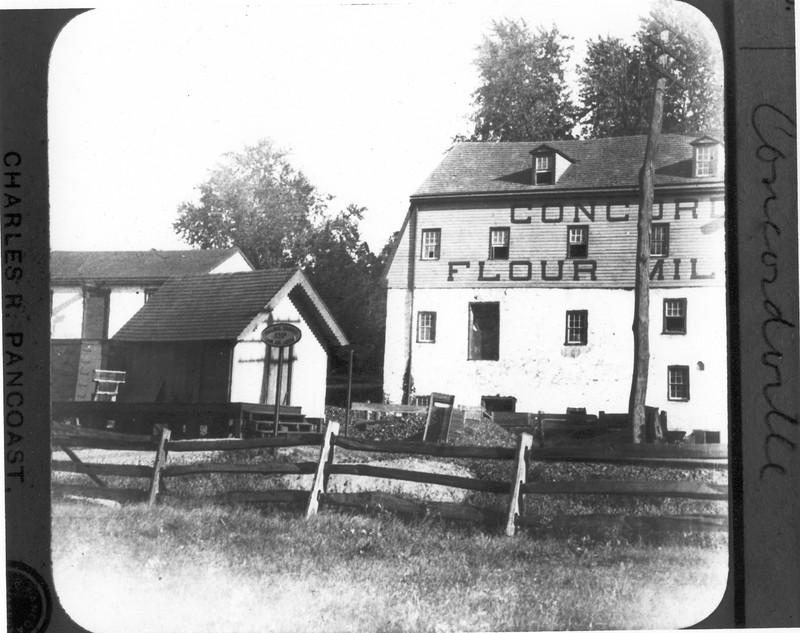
(281, 334)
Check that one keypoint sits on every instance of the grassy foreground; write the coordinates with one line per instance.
(226, 569)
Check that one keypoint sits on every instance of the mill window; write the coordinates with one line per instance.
(678, 382)
(704, 160)
(577, 242)
(577, 327)
(426, 327)
(431, 243)
(674, 316)
(498, 243)
(484, 331)
(659, 239)
(544, 169)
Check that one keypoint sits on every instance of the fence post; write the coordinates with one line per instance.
(520, 475)
(540, 418)
(158, 464)
(321, 476)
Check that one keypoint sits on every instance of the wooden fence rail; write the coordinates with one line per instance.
(426, 448)
(296, 468)
(524, 456)
(113, 470)
(682, 489)
(451, 481)
(190, 446)
(65, 437)
(371, 407)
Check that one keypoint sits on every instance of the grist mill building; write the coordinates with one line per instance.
(514, 277)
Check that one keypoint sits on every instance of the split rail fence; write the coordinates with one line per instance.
(66, 438)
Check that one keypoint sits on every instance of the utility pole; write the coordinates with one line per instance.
(641, 318)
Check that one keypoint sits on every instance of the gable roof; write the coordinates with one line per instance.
(546, 147)
(144, 267)
(705, 139)
(222, 306)
(606, 163)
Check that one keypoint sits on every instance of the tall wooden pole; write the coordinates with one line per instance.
(641, 310)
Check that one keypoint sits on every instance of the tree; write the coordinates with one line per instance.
(523, 95)
(616, 83)
(614, 89)
(698, 105)
(347, 274)
(256, 201)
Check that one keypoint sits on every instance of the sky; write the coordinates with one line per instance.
(366, 98)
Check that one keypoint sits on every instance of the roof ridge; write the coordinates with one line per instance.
(502, 167)
(240, 272)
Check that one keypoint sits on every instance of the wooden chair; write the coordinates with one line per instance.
(107, 384)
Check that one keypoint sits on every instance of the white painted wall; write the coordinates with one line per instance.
(397, 332)
(544, 374)
(309, 373)
(66, 317)
(235, 264)
(123, 304)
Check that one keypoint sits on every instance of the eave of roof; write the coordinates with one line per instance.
(151, 267)
(556, 192)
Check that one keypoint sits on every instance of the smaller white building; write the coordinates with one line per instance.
(199, 340)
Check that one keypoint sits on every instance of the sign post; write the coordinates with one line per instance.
(279, 335)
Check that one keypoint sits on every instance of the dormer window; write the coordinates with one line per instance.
(706, 157)
(704, 161)
(544, 169)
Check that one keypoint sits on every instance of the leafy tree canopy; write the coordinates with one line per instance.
(523, 95)
(699, 106)
(256, 201)
(615, 89)
(616, 84)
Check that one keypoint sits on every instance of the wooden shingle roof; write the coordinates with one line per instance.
(151, 266)
(608, 163)
(222, 306)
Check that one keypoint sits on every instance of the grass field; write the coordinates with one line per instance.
(194, 566)
(222, 569)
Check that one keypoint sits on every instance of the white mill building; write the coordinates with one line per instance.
(514, 276)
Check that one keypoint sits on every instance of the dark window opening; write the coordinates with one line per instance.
(674, 316)
(544, 165)
(499, 239)
(484, 331)
(577, 242)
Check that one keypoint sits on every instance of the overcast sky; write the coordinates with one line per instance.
(366, 97)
